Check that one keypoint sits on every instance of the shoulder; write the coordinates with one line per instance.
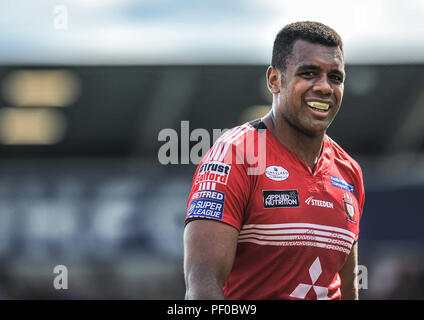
(231, 142)
(349, 168)
(342, 157)
(347, 164)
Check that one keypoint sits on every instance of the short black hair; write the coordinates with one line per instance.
(311, 31)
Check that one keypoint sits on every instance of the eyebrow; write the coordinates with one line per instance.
(315, 67)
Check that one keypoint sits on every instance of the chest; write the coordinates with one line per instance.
(323, 205)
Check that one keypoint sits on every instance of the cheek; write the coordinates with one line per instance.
(339, 98)
(339, 93)
(294, 93)
(292, 96)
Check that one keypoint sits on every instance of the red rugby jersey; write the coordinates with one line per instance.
(297, 227)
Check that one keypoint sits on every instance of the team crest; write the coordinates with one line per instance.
(349, 207)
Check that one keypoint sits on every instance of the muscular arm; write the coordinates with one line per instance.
(209, 251)
(348, 275)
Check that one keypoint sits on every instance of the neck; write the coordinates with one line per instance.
(305, 147)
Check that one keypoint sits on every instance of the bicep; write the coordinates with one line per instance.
(209, 251)
(348, 275)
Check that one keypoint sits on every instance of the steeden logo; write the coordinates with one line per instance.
(319, 203)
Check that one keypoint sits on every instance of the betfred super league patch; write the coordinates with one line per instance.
(207, 204)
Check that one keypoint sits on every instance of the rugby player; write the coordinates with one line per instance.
(289, 231)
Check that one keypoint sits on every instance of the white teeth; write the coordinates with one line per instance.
(318, 105)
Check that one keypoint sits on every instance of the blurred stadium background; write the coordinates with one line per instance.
(86, 86)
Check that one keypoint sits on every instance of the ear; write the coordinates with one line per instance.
(273, 77)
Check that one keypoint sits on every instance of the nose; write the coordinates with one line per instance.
(323, 86)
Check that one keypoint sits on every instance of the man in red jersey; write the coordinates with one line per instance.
(288, 231)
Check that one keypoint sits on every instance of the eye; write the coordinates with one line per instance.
(308, 74)
(336, 78)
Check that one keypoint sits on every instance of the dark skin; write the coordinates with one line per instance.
(209, 252)
(313, 73)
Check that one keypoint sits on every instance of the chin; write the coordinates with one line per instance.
(314, 134)
(314, 131)
(311, 132)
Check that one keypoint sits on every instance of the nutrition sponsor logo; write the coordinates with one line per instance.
(213, 171)
(319, 203)
(280, 198)
(207, 204)
(276, 173)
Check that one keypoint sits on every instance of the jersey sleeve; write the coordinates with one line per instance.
(220, 187)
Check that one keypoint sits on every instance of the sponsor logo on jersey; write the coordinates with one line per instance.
(349, 207)
(319, 203)
(213, 171)
(280, 198)
(208, 194)
(342, 184)
(302, 289)
(207, 204)
(276, 173)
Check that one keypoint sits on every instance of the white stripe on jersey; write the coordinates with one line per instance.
(228, 143)
(300, 237)
(298, 225)
(298, 234)
(265, 233)
(297, 243)
(219, 144)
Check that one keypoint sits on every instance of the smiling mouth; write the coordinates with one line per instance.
(318, 105)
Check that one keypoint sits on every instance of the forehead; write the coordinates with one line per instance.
(307, 53)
